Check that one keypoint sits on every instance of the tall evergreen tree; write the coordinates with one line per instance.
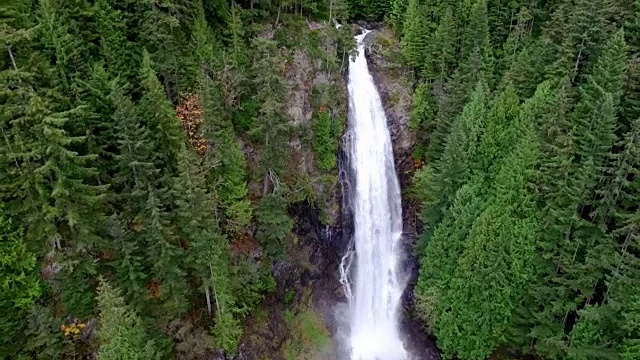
(440, 56)
(273, 126)
(121, 331)
(160, 119)
(20, 286)
(115, 48)
(439, 182)
(208, 250)
(225, 151)
(415, 34)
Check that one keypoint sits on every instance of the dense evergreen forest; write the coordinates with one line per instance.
(145, 146)
(131, 131)
(528, 118)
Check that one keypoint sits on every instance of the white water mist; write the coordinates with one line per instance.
(370, 273)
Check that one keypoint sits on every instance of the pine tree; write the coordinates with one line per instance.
(74, 199)
(397, 16)
(96, 124)
(166, 258)
(273, 127)
(499, 251)
(201, 45)
(135, 170)
(576, 28)
(500, 132)
(135, 174)
(226, 153)
(236, 34)
(476, 34)
(607, 75)
(121, 331)
(42, 329)
(161, 121)
(460, 155)
(519, 37)
(423, 113)
(273, 221)
(440, 57)
(501, 15)
(127, 259)
(115, 48)
(442, 251)
(62, 49)
(208, 250)
(20, 287)
(527, 68)
(164, 32)
(589, 336)
(616, 186)
(630, 349)
(415, 34)
(557, 214)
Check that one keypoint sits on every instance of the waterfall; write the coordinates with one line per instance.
(369, 270)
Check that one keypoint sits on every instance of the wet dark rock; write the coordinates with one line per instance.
(370, 25)
(395, 85)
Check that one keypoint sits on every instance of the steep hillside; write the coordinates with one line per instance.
(169, 176)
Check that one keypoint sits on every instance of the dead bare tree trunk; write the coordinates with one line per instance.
(13, 60)
(207, 294)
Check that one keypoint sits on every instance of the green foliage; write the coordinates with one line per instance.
(97, 178)
(527, 208)
(309, 338)
(416, 34)
(273, 221)
(121, 332)
(208, 250)
(325, 143)
(160, 119)
(20, 287)
(369, 9)
(229, 172)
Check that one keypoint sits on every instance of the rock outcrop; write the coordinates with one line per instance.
(395, 85)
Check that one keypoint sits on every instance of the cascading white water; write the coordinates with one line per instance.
(374, 291)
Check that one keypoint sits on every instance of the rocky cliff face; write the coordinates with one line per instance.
(297, 320)
(301, 319)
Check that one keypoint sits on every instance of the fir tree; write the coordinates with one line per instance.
(163, 33)
(415, 34)
(443, 249)
(454, 169)
(115, 47)
(225, 152)
(500, 132)
(121, 331)
(166, 257)
(273, 221)
(272, 127)
(160, 119)
(476, 34)
(20, 286)
(441, 51)
(397, 16)
(208, 250)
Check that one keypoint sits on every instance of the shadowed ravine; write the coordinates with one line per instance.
(373, 282)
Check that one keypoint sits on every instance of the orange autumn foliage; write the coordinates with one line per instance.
(190, 114)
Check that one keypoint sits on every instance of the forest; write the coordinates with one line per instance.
(527, 114)
(131, 133)
(146, 145)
